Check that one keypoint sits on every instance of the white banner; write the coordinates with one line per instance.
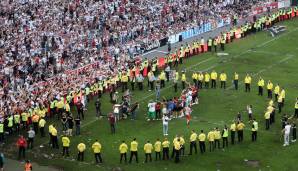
(284, 3)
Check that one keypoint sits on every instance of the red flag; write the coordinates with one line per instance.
(145, 72)
(161, 62)
(205, 47)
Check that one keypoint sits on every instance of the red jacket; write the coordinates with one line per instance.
(112, 119)
(21, 142)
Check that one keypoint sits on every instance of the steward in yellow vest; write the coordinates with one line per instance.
(296, 108)
(213, 79)
(65, 144)
(183, 79)
(225, 135)
(247, 81)
(200, 80)
(236, 78)
(269, 89)
(223, 80)
(194, 78)
(261, 84)
(207, 79)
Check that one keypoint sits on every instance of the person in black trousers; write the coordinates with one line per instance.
(294, 131)
(112, 121)
(80, 109)
(193, 143)
(98, 108)
(202, 138)
(177, 148)
(165, 149)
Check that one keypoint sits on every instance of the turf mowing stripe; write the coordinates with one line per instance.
(265, 69)
(265, 43)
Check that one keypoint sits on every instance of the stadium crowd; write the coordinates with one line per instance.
(40, 40)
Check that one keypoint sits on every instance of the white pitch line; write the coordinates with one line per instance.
(264, 52)
(162, 51)
(265, 43)
(148, 52)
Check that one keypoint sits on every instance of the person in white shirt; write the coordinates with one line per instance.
(165, 124)
(151, 110)
(287, 131)
(249, 111)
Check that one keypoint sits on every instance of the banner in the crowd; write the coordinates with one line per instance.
(261, 9)
(190, 33)
(199, 30)
(284, 3)
(151, 45)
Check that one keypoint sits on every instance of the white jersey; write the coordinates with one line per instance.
(165, 120)
(151, 107)
(287, 129)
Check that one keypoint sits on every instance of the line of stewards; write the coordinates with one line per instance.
(96, 147)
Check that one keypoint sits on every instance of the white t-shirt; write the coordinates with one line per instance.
(165, 120)
(287, 129)
(151, 107)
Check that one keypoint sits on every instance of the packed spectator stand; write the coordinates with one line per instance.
(41, 40)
